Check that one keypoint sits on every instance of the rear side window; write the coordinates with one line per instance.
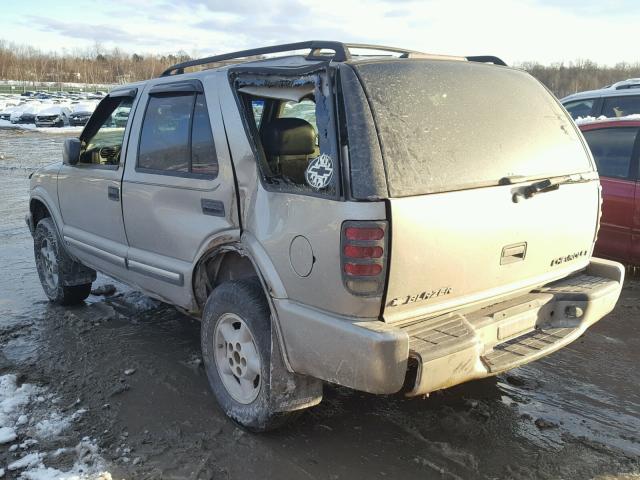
(203, 154)
(616, 107)
(612, 149)
(176, 136)
(579, 108)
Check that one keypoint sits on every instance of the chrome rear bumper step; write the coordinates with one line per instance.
(527, 348)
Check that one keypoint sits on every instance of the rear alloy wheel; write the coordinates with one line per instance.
(236, 348)
(53, 265)
(237, 358)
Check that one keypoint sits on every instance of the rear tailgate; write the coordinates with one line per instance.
(455, 248)
(458, 140)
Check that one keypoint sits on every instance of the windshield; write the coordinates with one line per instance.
(451, 125)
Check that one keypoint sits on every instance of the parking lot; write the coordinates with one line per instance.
(133, 367)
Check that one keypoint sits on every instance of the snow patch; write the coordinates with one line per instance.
(5, 124)
(47, 424)
(13, 399)
(29, 460)
(7, 434)
(52, 427)
(602, 118)
(88, 465)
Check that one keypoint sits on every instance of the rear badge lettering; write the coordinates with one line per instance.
(568, 258)
(420, 297)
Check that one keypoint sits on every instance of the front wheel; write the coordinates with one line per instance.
(54, 265)
(236, 347)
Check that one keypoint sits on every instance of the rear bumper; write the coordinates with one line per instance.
(374, 356)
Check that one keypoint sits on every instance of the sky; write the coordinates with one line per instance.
(544, 31)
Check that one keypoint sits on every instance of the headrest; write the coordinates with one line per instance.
(288, 136)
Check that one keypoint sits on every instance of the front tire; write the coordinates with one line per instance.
(236, 347)
(52, 262)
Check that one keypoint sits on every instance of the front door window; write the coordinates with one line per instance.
(101, 141)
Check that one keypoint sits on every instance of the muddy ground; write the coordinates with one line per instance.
(575, 414)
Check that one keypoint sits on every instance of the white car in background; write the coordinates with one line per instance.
(5, 113)
(53, 116)
(81, 112)
(27, 113)
(6, 102)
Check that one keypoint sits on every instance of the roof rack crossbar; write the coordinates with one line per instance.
(381, 48)
(341, 54)
(487, 59)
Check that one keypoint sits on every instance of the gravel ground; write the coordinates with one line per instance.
(131, 367)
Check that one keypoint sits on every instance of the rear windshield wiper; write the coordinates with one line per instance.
(549, 185)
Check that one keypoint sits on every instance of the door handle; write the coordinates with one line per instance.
(114, 194)
(513, 253)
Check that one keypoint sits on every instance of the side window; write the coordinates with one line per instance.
(579, 108)
(612, 149)
(292, 125)
(176, 136)
(621, 106)
(203, 153)
(101, 141)
(164, 140)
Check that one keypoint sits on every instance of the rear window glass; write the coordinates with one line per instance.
(612, 149)
(450, 125)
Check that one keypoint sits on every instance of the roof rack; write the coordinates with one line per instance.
(487, 59)
(341, 51)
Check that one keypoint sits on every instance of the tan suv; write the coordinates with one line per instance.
(396, 221)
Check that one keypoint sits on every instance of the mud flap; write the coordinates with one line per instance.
(73, 272)
(290, 391)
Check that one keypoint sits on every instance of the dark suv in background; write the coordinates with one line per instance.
(614, 101)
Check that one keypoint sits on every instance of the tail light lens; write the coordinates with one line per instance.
(364, 256)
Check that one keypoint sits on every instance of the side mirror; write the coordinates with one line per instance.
(71, 151)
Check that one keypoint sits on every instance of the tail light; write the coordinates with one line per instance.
(364, 256)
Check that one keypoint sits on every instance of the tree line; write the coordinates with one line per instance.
(113, 66)
(94, 65)
(565, 79)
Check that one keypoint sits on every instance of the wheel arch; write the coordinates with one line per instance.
(233, 261)
(41, 205)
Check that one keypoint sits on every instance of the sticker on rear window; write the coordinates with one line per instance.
(319, 173)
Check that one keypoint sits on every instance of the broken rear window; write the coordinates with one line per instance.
(289, 120)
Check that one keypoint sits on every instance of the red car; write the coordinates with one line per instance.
(615, 145)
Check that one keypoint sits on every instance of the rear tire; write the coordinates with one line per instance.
(236, 347)
(52, 262)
